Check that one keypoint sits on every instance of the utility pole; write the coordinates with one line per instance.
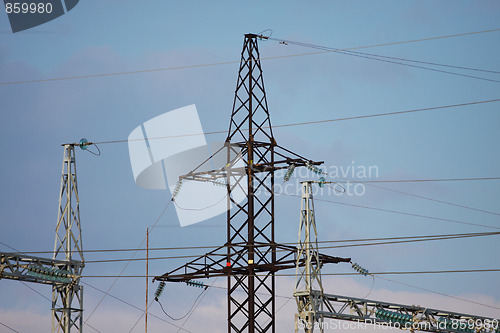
(251, 256)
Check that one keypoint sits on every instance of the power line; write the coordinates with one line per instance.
(439, 293)
(397, 242)
(39, 293)
(419, 180)
(382, 59)
(10, 328)
(320, 248)
(187, 313)
(139, 319)
(202, 297)
(209, 247)
(316, 121)
(487, 270)
(430, 63)
(424, 39)
(387, 113)
(232, 62)
(126, 265)
(344, 180)
(406, 284)
(130, 304)
(402, 213)
(435, 200)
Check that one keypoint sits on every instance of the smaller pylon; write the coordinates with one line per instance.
(308, 291)
(67, 299)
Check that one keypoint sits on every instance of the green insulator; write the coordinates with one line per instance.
(83, 144)
(321, 182)
(159, 290)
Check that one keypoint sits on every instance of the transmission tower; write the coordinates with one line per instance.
(67, 300)
(314, 305)
(64, 270)
(250, 256)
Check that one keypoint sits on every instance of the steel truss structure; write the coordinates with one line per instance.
(308, 291)
(251, 255)
(63, 271)
(314, 305)
(67, 301)
(408, 317)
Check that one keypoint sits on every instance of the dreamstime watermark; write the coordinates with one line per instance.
(172, 146)
(339, 180)
(26, 14)
(445, 324)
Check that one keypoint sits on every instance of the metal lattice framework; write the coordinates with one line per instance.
(250, 256)
(407, 317)
(313, 305)
(64, 270)
(67, 299)
(308, 291)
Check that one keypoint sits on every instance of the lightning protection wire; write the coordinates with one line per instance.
(381, 58)
(233, 62)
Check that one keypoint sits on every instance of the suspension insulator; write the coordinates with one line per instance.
(196, 284)
(177, 189)
(289, 173)
(393, 316)
(313, 168)
(219, 183)
(360, 270)
(159, 290)
(47, 273)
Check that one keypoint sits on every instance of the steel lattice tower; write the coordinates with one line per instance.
(67, 299)
(308, 289)
(251, 255)
(250, 110)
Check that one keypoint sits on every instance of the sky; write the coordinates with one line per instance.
(109, 36)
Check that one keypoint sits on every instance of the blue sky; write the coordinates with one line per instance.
(109, 36)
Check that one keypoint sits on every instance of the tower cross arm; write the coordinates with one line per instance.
(411, 317)
(217, 263)
(15, 266)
